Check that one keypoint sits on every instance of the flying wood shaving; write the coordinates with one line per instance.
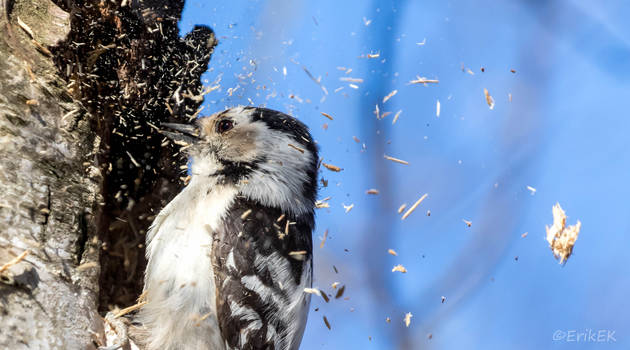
(324, 296)
(297, 252)
(130, 309)
(321, 204)
(437, 109)
(132, 159)
(377, 111)
(396, 117)
(468, 223)
(489, 99)
(390, 95)
(372, 191)
(348, 207)
(334, 285)
(326, 322)
(408, 317)
(562, 238)
(396, 160)
(312, 291)
(332, 167)
(532, 190)
(327, 115)
(399, 268)
(340, 292)
(423, 80)
(14, 261)
(392, 252)
(414, 206)
(402, 207)
(321, 245)
(351, 80)
(296, 148)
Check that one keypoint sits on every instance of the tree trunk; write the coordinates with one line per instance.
(84, 86)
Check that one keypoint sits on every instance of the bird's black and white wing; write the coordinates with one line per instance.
(262, 262)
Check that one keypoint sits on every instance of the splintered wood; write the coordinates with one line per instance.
(14, 261)
(407, 319)
(390, 95)
(562, 238)
(130, 309)
(327, 115)
(396, 160)
(327, 323)
(332, 167)
(489, 99)
(414, 206)
(423, 80)
(399, 268)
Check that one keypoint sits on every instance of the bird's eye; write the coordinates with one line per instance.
(224, 125)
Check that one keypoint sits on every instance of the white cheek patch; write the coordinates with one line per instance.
(279, 181)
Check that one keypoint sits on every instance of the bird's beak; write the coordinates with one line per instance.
(185, 134)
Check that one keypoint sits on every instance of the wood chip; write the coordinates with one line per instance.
(296, 148)
(399, 268)
(312, 291)
(524, 235)
(87, 265)
(297, 252)
(489, 99)
(32, 102)
(26, 28)
(321, 245)
(468, 223)
(246, 214)
(351, 80)
(414, 206)
(340, 292)
(561, 238)
(437, 109)
(402, 207)
(322, 204)
(326, 322)
(532, 190)
(130, 309)
(396, 117)
(390, 95)
(392, 252)
(396, 160)
(324, 296)
(347, 208)
(407, 319)
(423, 80)
(332, 167)
(327, 115)
(372, 191)
(14, 261)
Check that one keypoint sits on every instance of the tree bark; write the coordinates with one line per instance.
(84, 86)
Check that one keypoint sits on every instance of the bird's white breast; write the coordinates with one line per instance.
(179, 281)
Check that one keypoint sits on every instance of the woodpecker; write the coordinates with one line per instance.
(229, 257)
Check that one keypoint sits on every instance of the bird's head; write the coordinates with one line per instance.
(269, 156)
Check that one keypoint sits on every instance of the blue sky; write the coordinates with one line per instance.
(564, 132)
